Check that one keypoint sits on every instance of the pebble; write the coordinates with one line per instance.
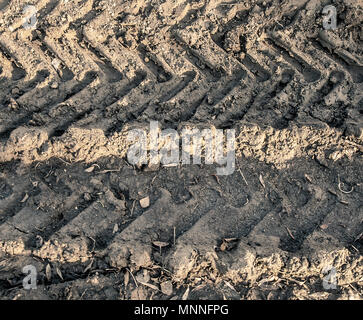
(15, 91)
(167, 288)
(145, 202)
(54, 85)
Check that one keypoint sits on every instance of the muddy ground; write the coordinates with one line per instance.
(96, 227)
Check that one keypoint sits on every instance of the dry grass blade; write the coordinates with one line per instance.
(261, 181)
(308, 178)
(133, 277)
(217, 179)
(149, 285)
(230, 239)
(186, 294)
(290, 233)
(59, 273)
(115, 228)
(359, 237)
(90, 169)
(126, 278)
(230, 286)
(26, 197)
(88, 267)
(48, 272)
(243, 177)
(341, 189)
(110, 170)
(160, 244)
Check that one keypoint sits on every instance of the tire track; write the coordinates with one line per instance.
(354, 70)
(35, 115)
(309, 73)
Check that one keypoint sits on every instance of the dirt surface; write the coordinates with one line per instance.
(95, 227)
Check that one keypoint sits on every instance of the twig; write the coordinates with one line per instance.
(153, 179)
(132, 277)
(111, 170)
(133, 207)
(217, 179)
(291, 235)
(261, 181)
(354, 248)
(243, 177)
(83, 294)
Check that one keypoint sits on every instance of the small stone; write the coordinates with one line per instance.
(115, 228)
(143, 276)
(87, 197)
(15, 91)
(13, 104)
(54, 85)
(145, 202)
(56, 63)
(167, 288)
